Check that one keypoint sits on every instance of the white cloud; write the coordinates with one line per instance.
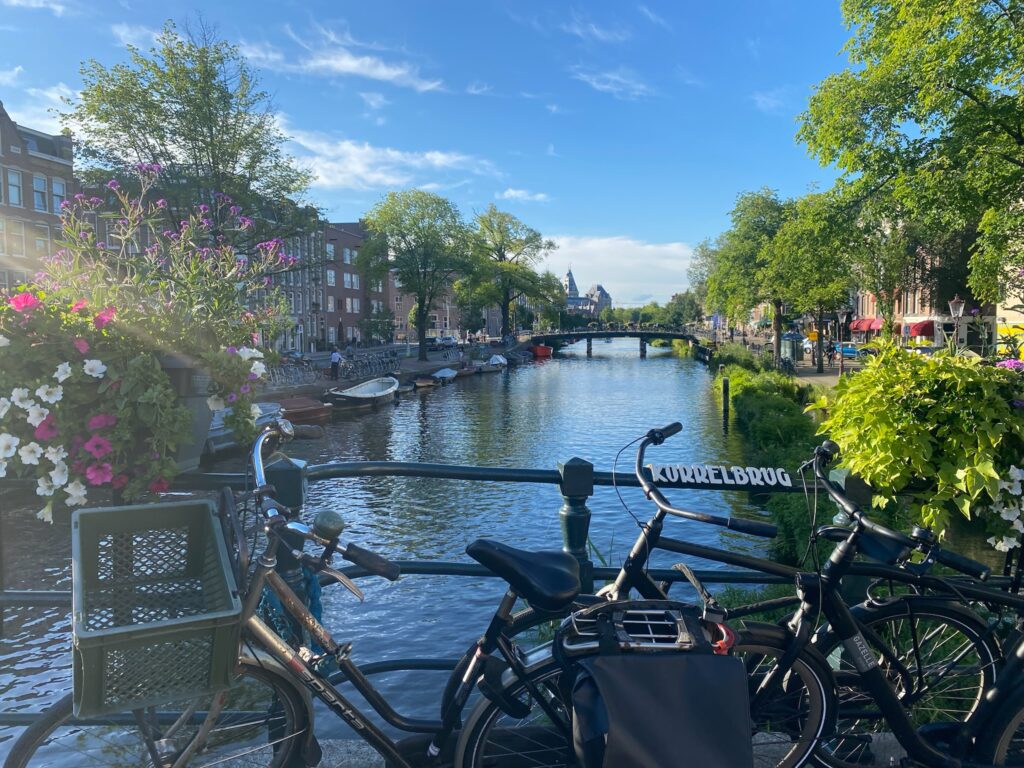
(654, 18)
(135, 34)
(770, 102)
(688, 78)
(632, 271)
(478, 88)
(54, 6)
(332, 54)
(339, 163)
(8, 76)
(35, 110)
(551, 151)
(374, 100)
(554, 109)
(622, 84)
(585, 29)
(522, 194)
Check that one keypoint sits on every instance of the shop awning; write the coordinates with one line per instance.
(921, 328)
(860, 324)
(876, 324)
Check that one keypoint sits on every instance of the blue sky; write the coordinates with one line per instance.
(623, 130)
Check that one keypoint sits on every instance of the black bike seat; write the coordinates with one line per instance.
(547, 580)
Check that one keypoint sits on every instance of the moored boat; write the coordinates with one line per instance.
(444, 375)
(541, 350)
(305, 410)
(494, 364)
(369, 393)
(469, 370)
(425, 382)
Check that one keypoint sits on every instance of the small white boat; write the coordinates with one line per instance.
(220, 438)
(444, 375)
(494, 364)
(363, 395)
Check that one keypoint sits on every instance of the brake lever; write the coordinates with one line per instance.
(317, 566)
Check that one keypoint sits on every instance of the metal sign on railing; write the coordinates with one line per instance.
(667, 475)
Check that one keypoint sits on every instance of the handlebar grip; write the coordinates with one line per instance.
(962, 564)
(830, 450)
(372, 562)
(659, 436)
(753, 527)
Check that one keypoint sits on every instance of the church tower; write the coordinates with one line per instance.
(569, 283)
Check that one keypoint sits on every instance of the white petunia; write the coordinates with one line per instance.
(59, 474)
(1009, 513)
(3, 468)
(5, 406)
(63, 372)
(44, 487)
(4, 341)
(259, 368)
(19, 396)
(56, 453)
(46, 513)
(248, 353)
(30, 453)
(1018, 525)
(36, 414)
(76, 493)
(216, 403)
(254, 411)
(8, 445)
(94, 368)
(50, 394)
(1016, 473)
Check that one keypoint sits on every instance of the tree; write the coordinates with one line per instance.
(508, 251)
(681, 309)
(932, 109)
(699, 268)
(379, 326)
(421, 238)
(808, 259)
(193, 105)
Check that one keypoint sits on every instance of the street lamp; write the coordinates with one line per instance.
(956, 309)
(840, 314)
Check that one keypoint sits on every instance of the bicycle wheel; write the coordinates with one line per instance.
(1002, 741)
(785, 728)
(262, 723)
(940, 658)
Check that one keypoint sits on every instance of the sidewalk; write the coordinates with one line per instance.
(829, 377)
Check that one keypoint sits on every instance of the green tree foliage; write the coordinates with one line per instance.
(508, 252)
(421, 237)
(379, 326)
(193, 105)
(932, 108)
(699, 269)
(681, 309)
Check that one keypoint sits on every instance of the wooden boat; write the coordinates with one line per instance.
(444, 375)
(495, 364)
(541, 350)
(221, 438)
(305, 410)
(469, 370)
(406, 388)
(373, 392)
(425, 382)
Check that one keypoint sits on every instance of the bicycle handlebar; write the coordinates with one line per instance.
(657, 437)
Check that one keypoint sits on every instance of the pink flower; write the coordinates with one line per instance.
(98, 474)
(82, 346)
(159, 485)
(47, 429)
(79, 305)
(24, 302)
(119, 482)
(102, 421)
(98, 446)
(103, 318)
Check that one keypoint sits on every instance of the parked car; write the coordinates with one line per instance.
(850, 350)
(448, 342)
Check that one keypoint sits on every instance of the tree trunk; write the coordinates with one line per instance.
(777, 331)
(421, 331)
(821, 340)
(506, 312)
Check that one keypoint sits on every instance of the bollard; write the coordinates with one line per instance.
(643, 348)
(590, 346)
(577, 486)
(288, 476)
(725, 403)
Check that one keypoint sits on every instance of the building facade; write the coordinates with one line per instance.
(592, 303)
(36, 176)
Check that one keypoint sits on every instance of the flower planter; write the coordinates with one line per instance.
(191, 384)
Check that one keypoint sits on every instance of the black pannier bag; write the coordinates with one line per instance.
(650, 690)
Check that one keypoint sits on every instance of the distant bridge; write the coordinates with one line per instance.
(645, 336)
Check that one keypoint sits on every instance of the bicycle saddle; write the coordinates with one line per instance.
(547, 580)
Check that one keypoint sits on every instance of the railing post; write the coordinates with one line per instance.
(577, 486)
(643, 348)
(590, 346)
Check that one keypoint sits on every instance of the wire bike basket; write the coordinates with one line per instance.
(155, 608)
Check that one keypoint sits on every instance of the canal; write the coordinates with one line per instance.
(531, 416)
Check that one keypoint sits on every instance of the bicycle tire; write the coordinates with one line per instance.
(799, 716)
(1001, 742)
(115, 741)
(934, 688)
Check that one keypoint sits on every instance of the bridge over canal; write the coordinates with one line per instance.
(645, 336)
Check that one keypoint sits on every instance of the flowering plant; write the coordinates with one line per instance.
(82, 407)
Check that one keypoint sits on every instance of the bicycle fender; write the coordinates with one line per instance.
(490, 685)
(310, 750)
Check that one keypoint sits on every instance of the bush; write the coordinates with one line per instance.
(738, 355)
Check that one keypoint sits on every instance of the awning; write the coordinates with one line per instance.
(876, 324)
(921, 328)
(860, 324)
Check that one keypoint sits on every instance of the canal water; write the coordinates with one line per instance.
(531, 416)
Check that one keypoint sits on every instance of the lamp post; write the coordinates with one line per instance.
(956, 309)
(840, 314)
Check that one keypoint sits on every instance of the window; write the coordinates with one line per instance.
(60, 193)
(3, 280)
(377, 286)
(348, 279)
(330, 251)
(398, 302)
(355, 306)
(14, 187)
(3, 240)
(330, 304)
(330, 277)
(355, 281)
(19, 278)
(332, 334)
(16, 239)
(347, 255)
(42, 241)
(355, 253)
(39, 193)
(348, 333)
(348, 304)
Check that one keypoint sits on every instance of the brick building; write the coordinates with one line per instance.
(36, 176)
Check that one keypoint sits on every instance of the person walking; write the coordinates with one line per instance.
(335, 363)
